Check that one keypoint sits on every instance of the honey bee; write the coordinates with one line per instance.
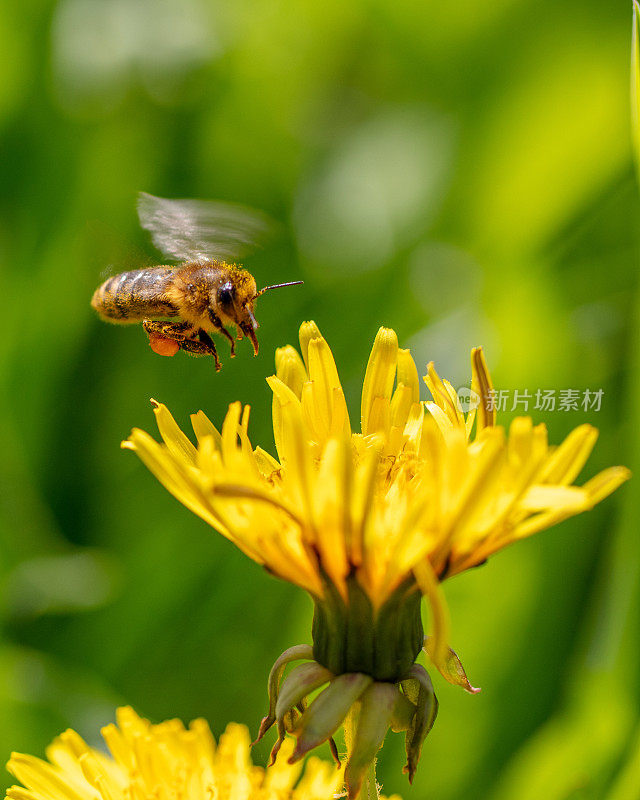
(179, 306)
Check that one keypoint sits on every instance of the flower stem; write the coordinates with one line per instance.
(369, 789)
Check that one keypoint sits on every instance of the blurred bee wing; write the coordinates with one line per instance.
(199, 230)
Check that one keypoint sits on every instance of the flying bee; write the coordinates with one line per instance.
(180, 306)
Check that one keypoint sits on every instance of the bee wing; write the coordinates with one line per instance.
(199, 230)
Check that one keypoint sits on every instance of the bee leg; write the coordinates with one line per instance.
(217, 322)
(207, 341)
(165, 337)
(197, 348)
(170, 330)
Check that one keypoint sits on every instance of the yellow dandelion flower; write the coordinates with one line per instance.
(168, 760)
(368, 522)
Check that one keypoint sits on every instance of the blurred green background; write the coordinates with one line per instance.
(459, 171)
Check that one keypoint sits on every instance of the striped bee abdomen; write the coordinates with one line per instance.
(135, 295)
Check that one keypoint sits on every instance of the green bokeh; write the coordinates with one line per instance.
(459, 171)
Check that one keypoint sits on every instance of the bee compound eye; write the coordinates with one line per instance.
(225, 294)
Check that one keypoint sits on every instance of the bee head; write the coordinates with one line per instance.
(233, 301)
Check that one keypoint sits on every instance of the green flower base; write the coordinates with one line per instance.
(350, 637)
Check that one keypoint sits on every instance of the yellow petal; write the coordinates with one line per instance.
(203, 427)
(266, 462)
(520, 440)
(380, 374)
(455, 401)
(606, 482)
(231, 452)
(308, 332)
(442, 395)
(332, 489)
(43, 779)
(340, 424)
(566, 498)
(282, 395)
(18, 793)
(177, 442)
(443, 421)
(413, 429)
(476, 493)
(318, 396)
(293, 448)
(535, 524)
(363, 497)
(379, 419)
(281, 776)
(430, 588)
(565, 463)
(482, 385)
(94, 775)
(400, 407)
(321, 781)
(408, 373)
(290, 369)
(239, 491)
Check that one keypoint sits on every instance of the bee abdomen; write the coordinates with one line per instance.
(135, 295)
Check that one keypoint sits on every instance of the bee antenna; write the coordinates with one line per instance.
(277, 286)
